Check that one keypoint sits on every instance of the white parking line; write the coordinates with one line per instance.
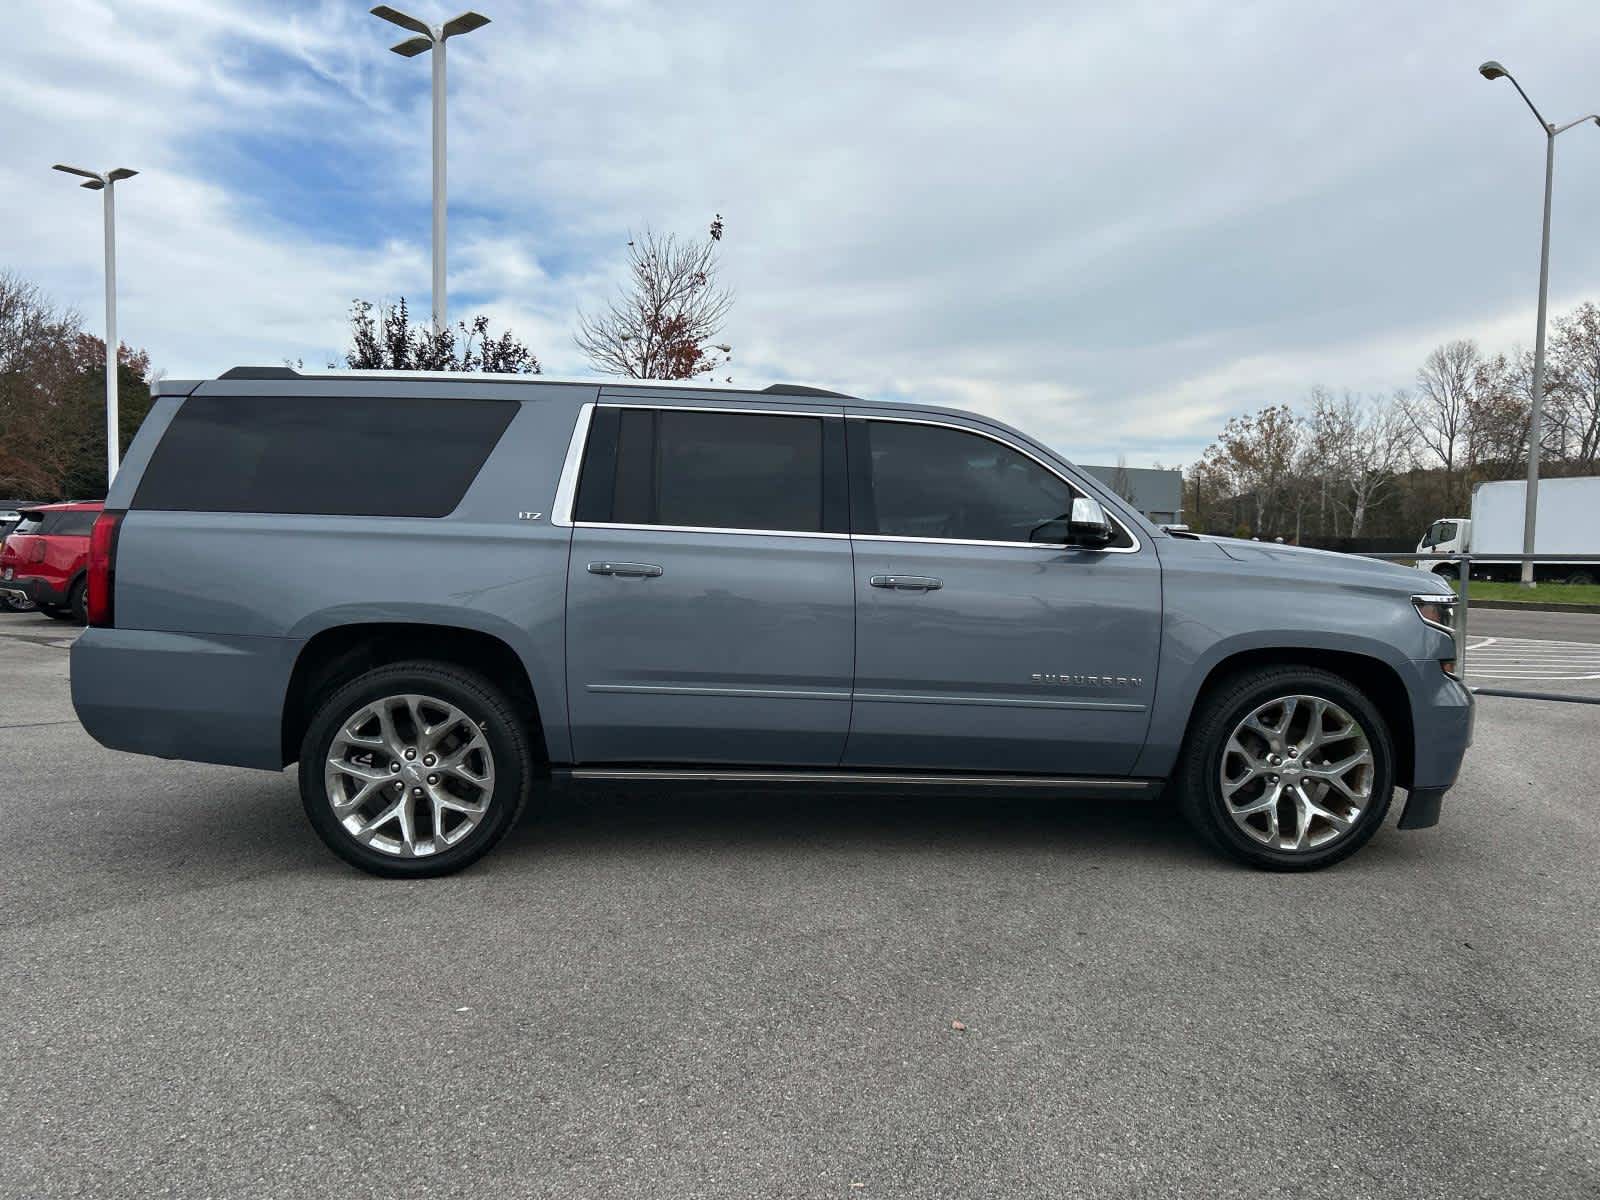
(1532, 658)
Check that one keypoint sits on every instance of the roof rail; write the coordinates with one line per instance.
(260, 373)
(803, 389)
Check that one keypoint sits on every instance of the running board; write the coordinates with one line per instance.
(829, 778)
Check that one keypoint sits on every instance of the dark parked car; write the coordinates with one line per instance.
(444, 595)
(45, 559)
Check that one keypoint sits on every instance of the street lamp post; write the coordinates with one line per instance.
(1530, 514)
(433, 37)
(107, 183)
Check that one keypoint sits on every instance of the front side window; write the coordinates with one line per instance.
(929, 481)
(704, 470)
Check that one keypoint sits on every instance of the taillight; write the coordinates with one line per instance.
(103, 569)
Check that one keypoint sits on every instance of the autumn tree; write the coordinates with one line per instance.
(1256, 453)
(390, 342)
(52, 398)
(662, 321)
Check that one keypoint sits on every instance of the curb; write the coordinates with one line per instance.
(1520, 606)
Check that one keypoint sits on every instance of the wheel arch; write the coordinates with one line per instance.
(1376, 679)
(341, 652)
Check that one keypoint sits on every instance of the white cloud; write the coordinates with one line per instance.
(1113, 224)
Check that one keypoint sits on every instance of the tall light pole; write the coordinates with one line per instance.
(433, 37)
(1530, 513)
(107, 183)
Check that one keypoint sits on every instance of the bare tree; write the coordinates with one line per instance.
(1498, 415)
(1122, 482)
(1378, 448)
(662, 321)
(1575, 397)
(1439, 410)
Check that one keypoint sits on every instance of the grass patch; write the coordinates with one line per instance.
(1545, 593)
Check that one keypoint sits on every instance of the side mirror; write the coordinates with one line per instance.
(1086, 525)
(1089, 525)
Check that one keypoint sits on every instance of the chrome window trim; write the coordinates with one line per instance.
(1076, 488)
(567, 487)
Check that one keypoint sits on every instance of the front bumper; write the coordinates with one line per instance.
(1442, 713)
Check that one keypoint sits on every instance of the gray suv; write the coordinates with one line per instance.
(444, 595)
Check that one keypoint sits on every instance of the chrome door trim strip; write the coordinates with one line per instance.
(758, 775)
(567, 487)
(663, 689)
(999, 701)
(673, 689)
(1050, 547)
(1010, 445)
(789, 533)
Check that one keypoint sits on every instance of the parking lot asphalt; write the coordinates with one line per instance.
(753, 996)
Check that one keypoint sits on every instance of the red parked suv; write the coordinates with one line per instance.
(46, 558)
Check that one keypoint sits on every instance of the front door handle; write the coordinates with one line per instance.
(908, 583)
(628, 570)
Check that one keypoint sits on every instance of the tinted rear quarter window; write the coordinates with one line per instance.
(346, 456)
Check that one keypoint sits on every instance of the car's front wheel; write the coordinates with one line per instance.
(1287, 768)
(415, 769)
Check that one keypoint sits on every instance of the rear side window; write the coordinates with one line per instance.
(345, 456)
(75, 523)
(710, 470)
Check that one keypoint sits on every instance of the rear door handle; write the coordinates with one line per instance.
(630, 570)
(908, 583)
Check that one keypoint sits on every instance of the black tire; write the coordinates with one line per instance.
(1220, 710)
(482, 702)
(59, 612)
(78, 602)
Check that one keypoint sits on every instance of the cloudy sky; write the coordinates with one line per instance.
(1115, 224)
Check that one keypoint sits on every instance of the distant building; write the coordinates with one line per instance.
(1158, 494)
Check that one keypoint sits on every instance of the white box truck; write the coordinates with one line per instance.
(1568, 525)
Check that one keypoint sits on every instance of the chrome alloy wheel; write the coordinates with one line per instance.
(409, 775)
(1297, 773)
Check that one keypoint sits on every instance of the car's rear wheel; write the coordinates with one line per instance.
(78, 602)
(415, 769)
(1287, 768)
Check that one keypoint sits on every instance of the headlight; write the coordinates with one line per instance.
(1437, 611)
